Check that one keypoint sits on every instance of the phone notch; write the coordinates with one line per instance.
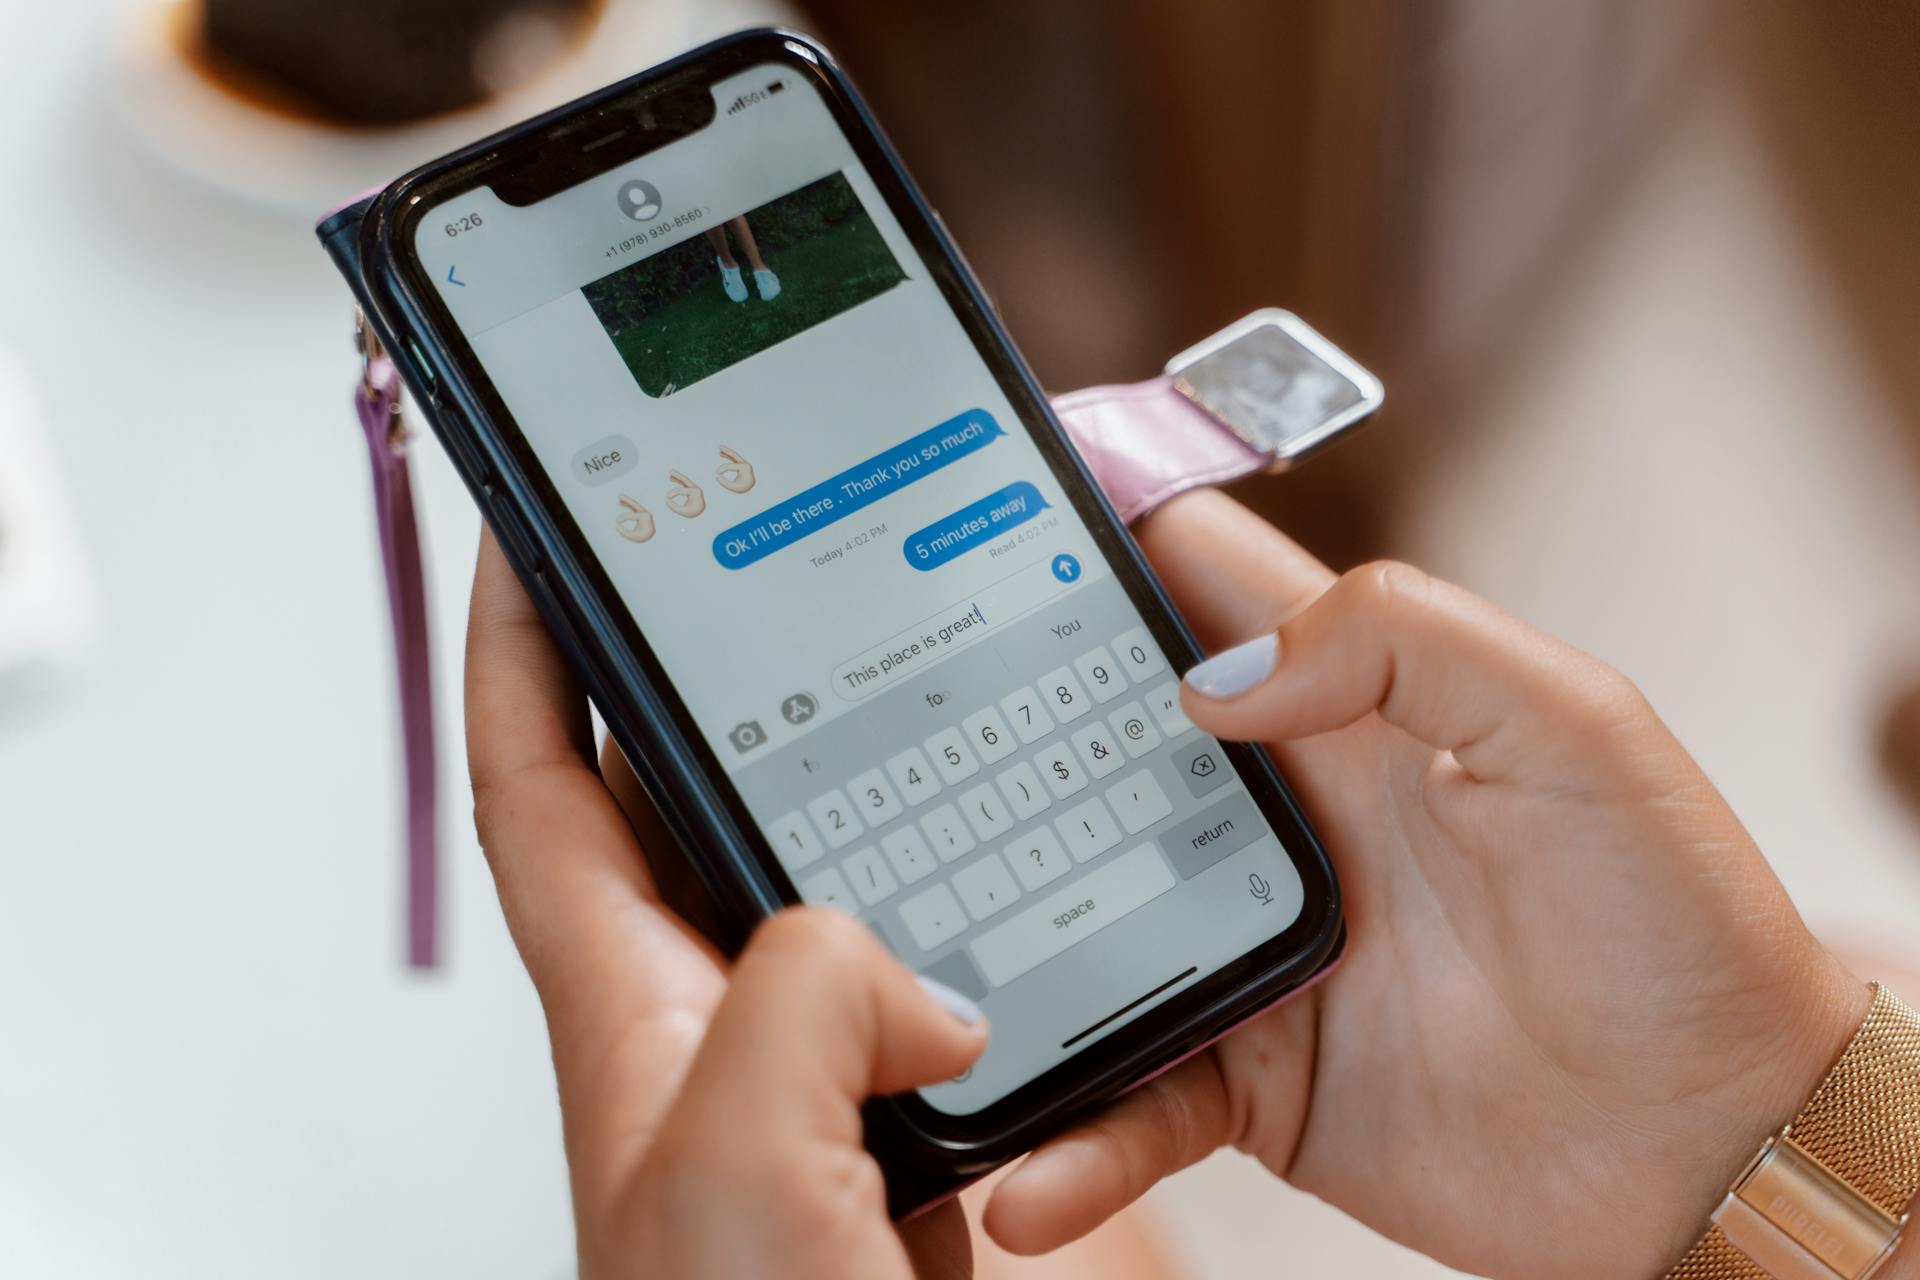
(614, 132)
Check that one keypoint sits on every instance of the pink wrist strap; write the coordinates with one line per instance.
(376, 401)
(1144, 443)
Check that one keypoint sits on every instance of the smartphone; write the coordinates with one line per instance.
(870, 635)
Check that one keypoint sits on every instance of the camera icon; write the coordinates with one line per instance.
(746, 735)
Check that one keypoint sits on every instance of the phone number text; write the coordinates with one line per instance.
(658, 231)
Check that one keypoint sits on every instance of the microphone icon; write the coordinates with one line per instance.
(1257, 886)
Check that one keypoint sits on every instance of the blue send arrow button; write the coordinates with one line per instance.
(1066, 568)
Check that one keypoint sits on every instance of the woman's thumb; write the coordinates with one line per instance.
(1439, 662)
(817, 1018)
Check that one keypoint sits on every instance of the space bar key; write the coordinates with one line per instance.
(1077, 912)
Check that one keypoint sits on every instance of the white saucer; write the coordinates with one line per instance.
(306, 168)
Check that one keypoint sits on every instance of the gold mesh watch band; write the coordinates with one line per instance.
(1839, 1177)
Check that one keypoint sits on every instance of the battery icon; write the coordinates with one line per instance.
(776, 86)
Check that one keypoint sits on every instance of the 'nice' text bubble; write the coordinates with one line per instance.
(973, 524)
(858, 486)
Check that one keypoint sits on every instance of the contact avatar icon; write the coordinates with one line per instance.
(736, 473)
(685, 498)
(635, 522)
(639, 200)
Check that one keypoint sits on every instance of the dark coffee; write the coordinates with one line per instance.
(373, 62)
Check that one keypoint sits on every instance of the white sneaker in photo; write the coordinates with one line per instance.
(732, 282)
(769, 284)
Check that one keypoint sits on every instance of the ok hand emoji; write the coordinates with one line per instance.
(685, 498)
(635, 522)
(736, 473)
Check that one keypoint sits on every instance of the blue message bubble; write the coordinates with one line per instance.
(858, 486)
(973, 524)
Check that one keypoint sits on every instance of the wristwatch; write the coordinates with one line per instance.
(1827, 1197)
(1260, 395)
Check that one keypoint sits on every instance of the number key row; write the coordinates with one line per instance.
(1060, 770)
(955, 754)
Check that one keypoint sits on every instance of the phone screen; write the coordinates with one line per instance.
(863, 577)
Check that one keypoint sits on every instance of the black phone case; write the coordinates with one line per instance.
(732, 891)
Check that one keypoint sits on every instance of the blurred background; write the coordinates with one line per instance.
(1640, 276)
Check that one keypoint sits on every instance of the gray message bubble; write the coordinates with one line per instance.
(604, 459)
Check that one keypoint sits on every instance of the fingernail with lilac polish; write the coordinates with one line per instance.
(1232, 673)
(963, 1009)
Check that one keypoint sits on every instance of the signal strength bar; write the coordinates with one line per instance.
(749, 98)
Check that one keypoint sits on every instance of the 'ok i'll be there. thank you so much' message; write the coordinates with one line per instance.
(860, 485)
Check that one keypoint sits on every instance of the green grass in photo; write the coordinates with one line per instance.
(669, 316)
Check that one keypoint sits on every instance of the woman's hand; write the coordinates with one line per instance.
(712, 1119)
(1575, 997)
(757, 1168)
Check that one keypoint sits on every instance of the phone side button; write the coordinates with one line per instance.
(513, 534)
(458, 438)
(425, 376)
